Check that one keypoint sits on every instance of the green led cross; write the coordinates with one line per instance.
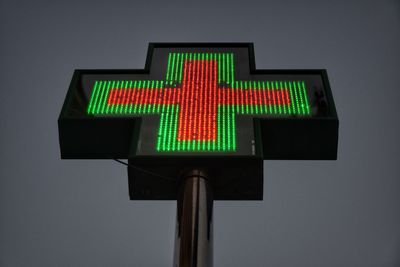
(198, 101)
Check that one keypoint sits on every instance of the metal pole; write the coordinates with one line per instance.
(194, 233)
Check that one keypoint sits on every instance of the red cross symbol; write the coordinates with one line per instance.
(200, 108)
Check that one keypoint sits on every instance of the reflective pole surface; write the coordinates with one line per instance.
(194, 233)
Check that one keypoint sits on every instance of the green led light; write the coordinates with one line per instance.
(303, 87)
(169, 67)
(221, 92)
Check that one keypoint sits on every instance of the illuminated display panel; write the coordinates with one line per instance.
(198, 101)
(199, 105)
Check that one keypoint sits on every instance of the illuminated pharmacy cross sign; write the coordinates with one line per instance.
(198, 101)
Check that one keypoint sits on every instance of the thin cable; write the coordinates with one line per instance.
(145, 171)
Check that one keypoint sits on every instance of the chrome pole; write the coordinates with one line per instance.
(194, 232)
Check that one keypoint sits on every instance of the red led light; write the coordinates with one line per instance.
(199, 101)
(198, 98)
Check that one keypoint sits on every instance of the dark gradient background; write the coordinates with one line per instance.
(314, 213)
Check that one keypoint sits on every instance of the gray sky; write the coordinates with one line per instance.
(314, 213)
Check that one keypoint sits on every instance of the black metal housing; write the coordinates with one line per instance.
(233, 177)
